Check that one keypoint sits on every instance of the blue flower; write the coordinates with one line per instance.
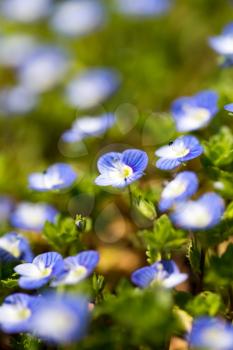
(181, 188)
(43, 69)
(25, 10)
(90, 88)
(203, 213)
(17, 100)
(43, 269)
(14, 247)
(229, 107)
(61, 318)
(88, 126)
(164, 272)
(56, 177)
(77, 268)
(142, 8)
(223, 43)
(211, 334)
(32, 216)
(16, 312)
(192, 113)
(6, 207)
(177, 152)
(121, 169)
(78, 18)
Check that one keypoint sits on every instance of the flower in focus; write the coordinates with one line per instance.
(92, 87)
(211, 334)
(14, 247)
(56, 177)
(25, 10)
(17, 100)
(184, 148)
(142, 8)
(43, 69)
(203, 213)
(223, 43)
(88, 126)
(77, 268)
(121, 169)
(164, 272)
(61, 318)
(32, 216)
(43, 269)
(78, 18)
(16, 312)
(181, 188)
(192, 113)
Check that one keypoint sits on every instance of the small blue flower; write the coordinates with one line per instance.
(142, 8)
(43, 69)
(164, 272)
(77, 268)
(181, 188)
(6, 207)
(14, 247)
(17, 100)
(223, 43)
(16, 312)
(192, 113)
(25, 10)
(177, 152)
(229, 107)
(91, 88)
(56, 177)
(78, 18)
(211, 334)
(43, 269)
(203, 213)
(88, 126)
(121, 169)
(32, 216)
(61, 318)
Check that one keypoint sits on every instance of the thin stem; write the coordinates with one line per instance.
(130, 196)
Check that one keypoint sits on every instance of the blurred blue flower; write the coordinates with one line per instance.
(32, 216)
(181, 188)
(25, 10)
(15, 49)
(6, 207)
(142, 8)
(203, 213)
(211, 334)
(164, 272)
(121, 169)
(88, 126)
(177, 152)
(43, 269)
(17, 100)
(223, 43)
(78, 17)
(192, 113)
(229, 107)
(56, 177)
(14, 247)
(77, 268)
(61, 318)
(92, 87)
(43, 68)
(16, 312)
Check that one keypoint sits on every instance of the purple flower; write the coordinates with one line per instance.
(14, 247)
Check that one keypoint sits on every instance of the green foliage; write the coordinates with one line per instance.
(162, 239)
(205, 303)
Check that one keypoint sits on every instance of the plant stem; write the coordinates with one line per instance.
(130, 196)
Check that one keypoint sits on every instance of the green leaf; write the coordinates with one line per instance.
(194, 256)
(219, 149)
(162, 239)
(9, 283)
(206, 303)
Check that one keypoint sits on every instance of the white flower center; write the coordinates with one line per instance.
(217, 338)
(75, 275)
(195, 214)
(31, 215)
(174, 189)
(160, 276)
(14, 313)
(179, 150)
(11, 246)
